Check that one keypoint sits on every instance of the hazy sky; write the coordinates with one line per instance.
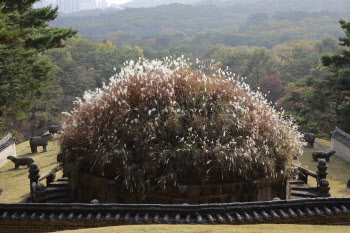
(118, 1)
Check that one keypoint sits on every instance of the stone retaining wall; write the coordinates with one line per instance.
(89, 187)
(7, 148)
(340, 142)
(341, 148)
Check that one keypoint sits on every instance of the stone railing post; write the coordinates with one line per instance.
(50, 178)
(322, 182)
(40, 193)
(322, 170)
(323, 188)
(33, 177)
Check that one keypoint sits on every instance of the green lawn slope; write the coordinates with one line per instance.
(338, 170)
(266, 228)
(15, 182)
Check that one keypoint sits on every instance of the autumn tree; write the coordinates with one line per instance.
(271, 86)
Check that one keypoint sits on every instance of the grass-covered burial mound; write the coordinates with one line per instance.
(162, 124)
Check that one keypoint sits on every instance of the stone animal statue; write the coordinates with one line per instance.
(322, 155)
(21, 161)
(43, 141)
(55, 129)
(309, 138)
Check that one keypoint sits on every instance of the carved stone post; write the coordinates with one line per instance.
(322, 182)
(322, 170)
(50, 178)
(33, 177)
(40, 193)
(323, 188)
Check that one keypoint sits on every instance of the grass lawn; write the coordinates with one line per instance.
(326, 143)
(268, 228)
(338, 170)
(15, 182)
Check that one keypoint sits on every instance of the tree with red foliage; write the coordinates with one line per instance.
(272, 86)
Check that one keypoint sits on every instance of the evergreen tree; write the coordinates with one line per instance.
(320, 98)
(24, 35)
(340, 66)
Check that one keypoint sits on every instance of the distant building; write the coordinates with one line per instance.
(70, 6)
(44, 3)
(7, 148)
(340, 142)
(102, 4)
(88, 5)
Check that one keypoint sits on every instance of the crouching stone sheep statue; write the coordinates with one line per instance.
(322, 155)
(21, 161)
(55, 129)
(39, 141)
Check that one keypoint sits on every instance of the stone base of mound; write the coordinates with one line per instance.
(88, 187)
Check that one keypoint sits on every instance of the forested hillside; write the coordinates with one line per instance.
(82, 65)
(140, 22)
(164, 26)
(253, 5)
(153, 3)
(284, 5)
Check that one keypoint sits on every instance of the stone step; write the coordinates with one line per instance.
(303, 194)
(56, 191)
(299, 185)
(63, 179)
(304, 188)
(51, 189)
(56, 195)
(296, 182)
(58, 184)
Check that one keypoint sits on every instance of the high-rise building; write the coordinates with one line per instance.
(69, 6)
(102, 4)
(88, 4)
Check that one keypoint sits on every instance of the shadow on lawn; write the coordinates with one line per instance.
(25, 170)
(41, 168)
(22, 173)
(25, 197)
